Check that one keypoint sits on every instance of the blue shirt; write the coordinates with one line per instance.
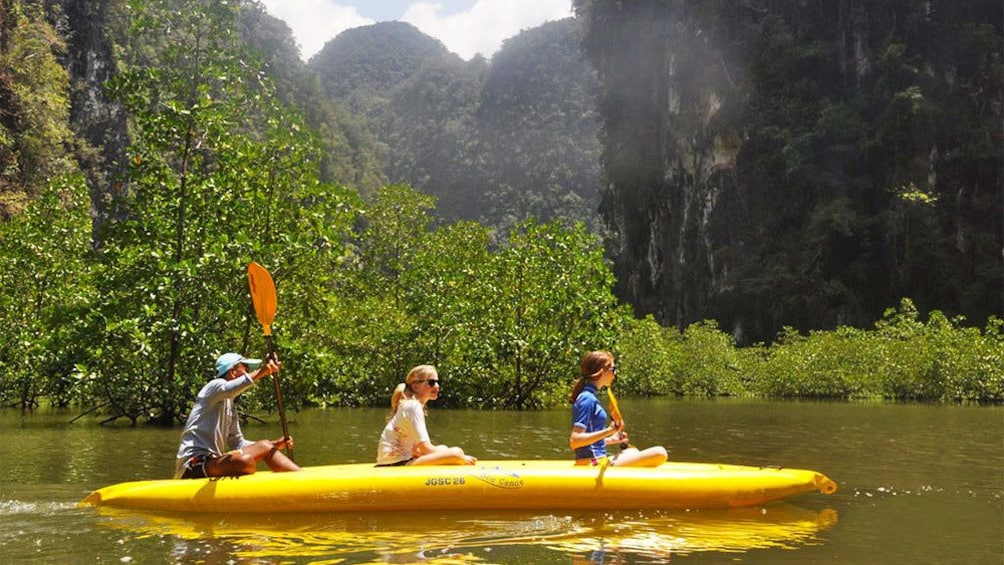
(588, 414)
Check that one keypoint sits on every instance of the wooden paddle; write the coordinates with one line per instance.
(263, 297)
(615, 412)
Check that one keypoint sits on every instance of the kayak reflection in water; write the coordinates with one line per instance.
(405, 439)
(590, 432)
(212, 444)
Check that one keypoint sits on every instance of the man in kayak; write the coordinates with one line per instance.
(212, 444)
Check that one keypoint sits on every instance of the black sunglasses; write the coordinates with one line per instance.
(432, 382)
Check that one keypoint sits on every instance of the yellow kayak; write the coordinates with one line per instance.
(489, 485)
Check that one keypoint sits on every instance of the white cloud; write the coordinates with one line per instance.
(483, 28)
(480, 29)
(315, 22)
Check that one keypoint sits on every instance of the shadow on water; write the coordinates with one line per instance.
(474, 536)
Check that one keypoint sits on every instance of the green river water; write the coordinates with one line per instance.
(917, 484)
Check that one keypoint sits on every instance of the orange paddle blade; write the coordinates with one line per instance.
(262, 295)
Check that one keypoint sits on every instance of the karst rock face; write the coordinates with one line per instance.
(89, 26)
(772, 164)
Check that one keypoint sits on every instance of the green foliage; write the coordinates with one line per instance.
(711, 363)
(824, 365)
(504, 322)
(219, 175)
(45, 289)
(903, 358)
(545, 299)
(650, 358)
(362, 333)
(700, 361)
(45, 284)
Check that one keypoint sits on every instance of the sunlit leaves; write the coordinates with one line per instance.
(218, 178)
(903, 358)
(505, 321)
(45, 288)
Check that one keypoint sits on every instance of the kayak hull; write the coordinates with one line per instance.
(489, 485)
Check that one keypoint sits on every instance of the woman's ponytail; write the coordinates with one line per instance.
(593, 364)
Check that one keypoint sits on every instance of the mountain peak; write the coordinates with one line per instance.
(375, 56)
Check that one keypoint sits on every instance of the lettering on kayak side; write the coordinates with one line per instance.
(443, 481)
(495, 477)
(498, 477)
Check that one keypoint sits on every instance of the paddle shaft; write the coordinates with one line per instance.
(278, 396)
(615, 413)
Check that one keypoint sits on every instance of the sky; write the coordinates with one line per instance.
(466, 27)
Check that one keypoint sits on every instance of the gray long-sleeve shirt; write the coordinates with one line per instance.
(213, 427)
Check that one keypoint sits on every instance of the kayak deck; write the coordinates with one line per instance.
(489, 485)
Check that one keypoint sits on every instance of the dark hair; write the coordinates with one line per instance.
(593, 364)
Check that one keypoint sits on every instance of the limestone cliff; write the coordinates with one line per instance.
(88, 25)
(786, 163)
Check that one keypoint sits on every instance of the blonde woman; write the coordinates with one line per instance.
(405, 439)
(590, 432)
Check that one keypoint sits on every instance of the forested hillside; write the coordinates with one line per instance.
(538, 130)
(494, 141)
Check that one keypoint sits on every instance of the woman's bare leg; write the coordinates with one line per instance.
(650, 457)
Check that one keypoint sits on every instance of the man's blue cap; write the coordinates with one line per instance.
(228, 360)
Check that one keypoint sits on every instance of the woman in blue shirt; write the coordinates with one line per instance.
(590, 432)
